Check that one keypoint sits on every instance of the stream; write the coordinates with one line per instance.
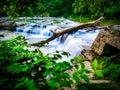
(40, 30)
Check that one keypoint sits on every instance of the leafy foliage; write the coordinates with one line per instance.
(112, 69)
(97, 68)
(89, 8)
(92, 8)
(15, 8)
(107, 68)
(24, 69)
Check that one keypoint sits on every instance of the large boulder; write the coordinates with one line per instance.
(107, 41)
(110, 36)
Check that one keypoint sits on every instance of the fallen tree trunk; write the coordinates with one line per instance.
(75, 28)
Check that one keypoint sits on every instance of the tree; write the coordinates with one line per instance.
(97, 8)
(58, 7)
(15, 8)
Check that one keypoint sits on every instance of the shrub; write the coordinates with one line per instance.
(31, 70)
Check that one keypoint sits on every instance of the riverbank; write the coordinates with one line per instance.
(84, 19)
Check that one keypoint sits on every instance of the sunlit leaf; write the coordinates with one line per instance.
(95, 64)
(99, 73)
(40, 52)
(48, 65)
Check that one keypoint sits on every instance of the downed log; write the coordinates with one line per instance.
(75, 28)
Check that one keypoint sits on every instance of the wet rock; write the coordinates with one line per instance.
(20, 24)
(7, 25)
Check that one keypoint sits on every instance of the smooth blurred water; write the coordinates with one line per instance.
(72, 43)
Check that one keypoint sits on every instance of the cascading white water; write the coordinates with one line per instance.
(72, 43)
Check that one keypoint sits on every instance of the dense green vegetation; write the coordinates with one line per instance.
(89, 8)
(21, 68)
(31, 70)
(97, 8)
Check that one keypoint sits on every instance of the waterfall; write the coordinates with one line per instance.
(74, 46)
(72, 43)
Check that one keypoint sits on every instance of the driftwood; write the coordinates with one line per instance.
(75, 28)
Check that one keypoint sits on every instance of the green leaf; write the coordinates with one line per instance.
(14, 68)
(82, 65)
(81, 71)
(25, 69)
(48, 65)
(19, 37)
(66, 83)
(95, 64)
(72, 61)
(99, 73)
(19, 85)
(46, 57)
(40, 52)
(77, 59)
(53, 83)
(65, 54)
(26, 80)
(31, 85)
(101, 65)
(59, 56)
(57, 67)
(87, 71)
(37, 61)
(75, 77)
(65, 65)
(47, 72)
(85, 77)
(65, 75)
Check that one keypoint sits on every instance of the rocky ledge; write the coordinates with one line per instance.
(7, 25)
(107, 43)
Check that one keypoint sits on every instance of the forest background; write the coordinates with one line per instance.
(73, 9)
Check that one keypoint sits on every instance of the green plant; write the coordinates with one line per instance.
(97, 67)
(112, 69)
(24, 69)
(80, 73)
(107, 68)
(15, 67)
(58, 73)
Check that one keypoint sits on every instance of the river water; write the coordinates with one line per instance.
(73, 42)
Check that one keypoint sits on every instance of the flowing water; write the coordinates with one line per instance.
(72, 43)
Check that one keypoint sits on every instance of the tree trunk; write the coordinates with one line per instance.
(75, 28)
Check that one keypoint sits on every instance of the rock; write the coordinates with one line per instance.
(105, 38)
(7, 25)
(20, 23)
(115, 29)
(89, 54)
(107, 41)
